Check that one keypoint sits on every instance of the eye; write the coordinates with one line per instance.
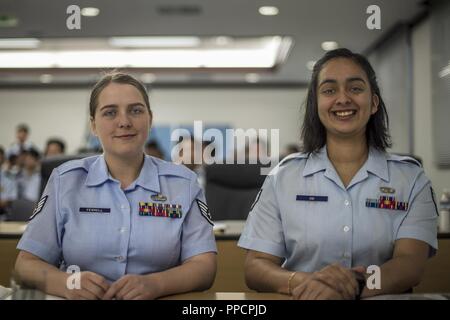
(109, 113)
(357, 89)
(137, 110)
(328, 91)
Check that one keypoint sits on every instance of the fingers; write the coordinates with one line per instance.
(94, 289)
(359, 269)
(134, 294)
(347, 283)
(333, 283)
(350, 282)
(298, 291)
(95, 284)
(120, 295)
(115, 288)
(99, 281)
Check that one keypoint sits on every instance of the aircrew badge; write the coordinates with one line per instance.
(158, 197)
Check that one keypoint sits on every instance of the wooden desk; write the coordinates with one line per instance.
(12, 229)
(230, 271)
(10, 233)
(437, 271)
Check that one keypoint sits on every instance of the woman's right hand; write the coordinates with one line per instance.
(92, 287)
(340, 279)
(313, 289)
(331, 282)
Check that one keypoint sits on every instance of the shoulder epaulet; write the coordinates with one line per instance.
(404, 159)
(289, 158)
(298, 155)
(166, 168)
(84, 163)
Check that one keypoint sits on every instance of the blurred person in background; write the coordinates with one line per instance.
(54, 147)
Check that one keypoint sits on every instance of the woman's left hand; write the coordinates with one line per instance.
(133, 287)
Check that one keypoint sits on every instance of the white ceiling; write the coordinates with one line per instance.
(308, 22)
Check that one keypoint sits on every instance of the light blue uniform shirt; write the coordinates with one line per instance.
(89, 221)
(305, 215)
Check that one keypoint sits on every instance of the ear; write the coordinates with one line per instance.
(151, 119)
(93, 126)
(375, 104)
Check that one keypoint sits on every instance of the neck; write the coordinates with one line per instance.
(126, 170)
(347, 156)
(347, 151)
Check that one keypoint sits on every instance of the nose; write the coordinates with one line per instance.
(343, 98)
(124, 120)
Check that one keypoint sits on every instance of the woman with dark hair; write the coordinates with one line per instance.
(328, 217)
(133, 226)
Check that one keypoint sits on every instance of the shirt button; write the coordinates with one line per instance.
(346, 202)
(120, 258)
(346, 229)
(122, 230)
(122, 207)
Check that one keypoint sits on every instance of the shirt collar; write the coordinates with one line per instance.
(317, 161)
(98, 172)
(148, 177)
(376, 163)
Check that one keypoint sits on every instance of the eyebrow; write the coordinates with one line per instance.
(116, 106)
(351, 79)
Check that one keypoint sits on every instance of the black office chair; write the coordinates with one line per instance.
(21, 210)
(48, 164)
(231, 189)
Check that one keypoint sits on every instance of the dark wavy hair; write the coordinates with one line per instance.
(313, 132)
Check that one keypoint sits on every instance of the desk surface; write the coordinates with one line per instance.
(12, 229)
(38, 295)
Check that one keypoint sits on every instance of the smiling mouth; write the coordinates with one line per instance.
(126, 136)
(344, 114)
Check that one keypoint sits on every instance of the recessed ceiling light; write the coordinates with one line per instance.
(329, 45)
(90, 12)
(154, 42)
(252, 77)
(268, 11)
(248, 53)
(19, 43)
(46, 78)
(310, 65)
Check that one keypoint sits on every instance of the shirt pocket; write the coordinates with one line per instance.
(384, 224)
(158, 239)
(305, 225)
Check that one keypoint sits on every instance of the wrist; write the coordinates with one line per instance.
(56, 284)
(155, 285)
(295, 278)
